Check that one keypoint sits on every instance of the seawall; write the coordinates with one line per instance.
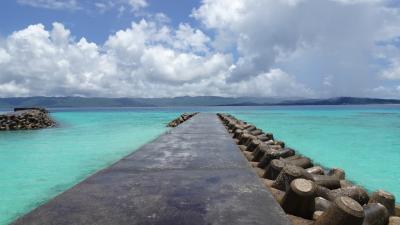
(192, 174)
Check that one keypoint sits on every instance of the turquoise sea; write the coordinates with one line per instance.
(37, 165)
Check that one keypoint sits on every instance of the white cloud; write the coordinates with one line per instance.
(131, 63)
(190, 38)
(100, 5)
(359, 1)
(143, 60)
(12, 89)
(51, 4)
(275, 83)
(393, 70)
(306, 38)
(104, 6)
(120, 5)
(387, 91)
(164, 55)
(327, 81)
(49, 63)
(296, 48)
(137, 4)
(4, 56)
(166, 65)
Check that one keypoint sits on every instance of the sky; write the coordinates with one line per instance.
(168, 48)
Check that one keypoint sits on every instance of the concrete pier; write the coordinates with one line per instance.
(192, 174)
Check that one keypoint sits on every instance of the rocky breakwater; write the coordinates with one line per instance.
(182, 118)
(310, 194)
(26, 119)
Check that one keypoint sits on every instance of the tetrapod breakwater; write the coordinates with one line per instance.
(309, 193)
(182, 118)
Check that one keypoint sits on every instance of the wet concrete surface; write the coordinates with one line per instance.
(192, 174)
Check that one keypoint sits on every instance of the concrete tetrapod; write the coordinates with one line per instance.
(299, 199)
(274, 169)
(331, 182)
(287, 175)
(315, 170)
(386, 199)
(394, 220)
(271, 155)
(321, 204)
(375, 214)
(343, 211)
(355, 192)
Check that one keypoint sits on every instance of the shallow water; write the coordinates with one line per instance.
(37, 165)
(363, 140)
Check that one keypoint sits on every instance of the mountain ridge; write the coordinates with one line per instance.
(58, 102)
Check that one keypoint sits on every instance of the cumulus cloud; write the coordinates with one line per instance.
(306, 38)
(120, 5)
(148, 59)
(190, 38)
(160, 54)
(12, 89)
(301, 48)
(392, 72)
(100, 5)
(4, 56)
(40, 62)
(49, 63)
(275, 83)
(387, 91)
(137, 4)
(51, 4)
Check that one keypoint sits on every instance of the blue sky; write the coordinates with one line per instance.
(146, 48)
(89, 22)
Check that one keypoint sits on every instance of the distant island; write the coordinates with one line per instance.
(329, 101)
(58, 102)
